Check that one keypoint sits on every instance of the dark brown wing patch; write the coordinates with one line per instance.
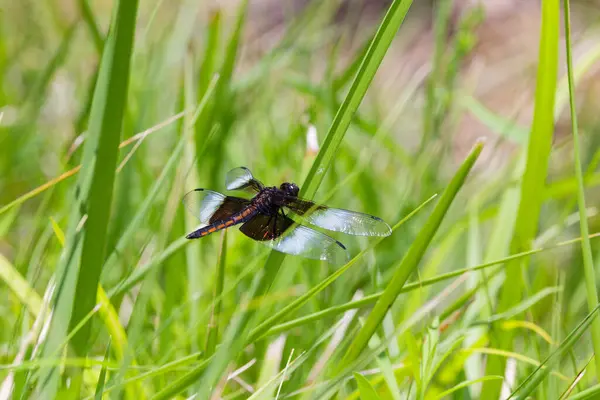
(230, 206)
(264, 227)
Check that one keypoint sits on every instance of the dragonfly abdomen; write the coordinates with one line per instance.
(235, 219)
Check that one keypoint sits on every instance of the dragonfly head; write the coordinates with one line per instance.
(290, 188)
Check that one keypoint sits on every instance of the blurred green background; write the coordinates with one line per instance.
(275, 74)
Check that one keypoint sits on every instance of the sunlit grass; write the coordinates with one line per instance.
(107, 299)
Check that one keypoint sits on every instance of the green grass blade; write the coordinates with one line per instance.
(590, 393)
(533, 181)
(367, 391)
(102, 377)
(107, 127)
(88, 16)
(411, 259)
(20, 287)
(586, 248)
(105, 122)
(465, 384)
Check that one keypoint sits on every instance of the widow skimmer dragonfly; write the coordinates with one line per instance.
(264, 218)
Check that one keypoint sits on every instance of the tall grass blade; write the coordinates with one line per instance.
(532, 183)
(586, 248)
(107, 127)
(92, 195)
(20, 287)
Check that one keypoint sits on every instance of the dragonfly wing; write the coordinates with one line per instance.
(339, 220)
(210, 206)
(241, 179)
(281, 234)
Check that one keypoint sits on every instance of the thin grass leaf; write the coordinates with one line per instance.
(102, 377)
(589, 393)
(20, 287)
(90, 21)
(512, 324)
(511, 130)
(533, 180)
(466, 384)
(586, 249)
(517, 356)
(411, 259)
(523, 305)
(367, 392)
(35, 96)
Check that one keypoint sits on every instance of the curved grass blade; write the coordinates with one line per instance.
(411, 259)
(466, 384)
(20, 287)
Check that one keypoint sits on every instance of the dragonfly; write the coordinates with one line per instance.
(266, 218)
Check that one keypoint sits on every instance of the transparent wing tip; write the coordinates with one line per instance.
(382, 227)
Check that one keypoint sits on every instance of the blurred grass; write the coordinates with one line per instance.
(208, 91)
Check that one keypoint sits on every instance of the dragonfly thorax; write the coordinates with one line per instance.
(269, 200)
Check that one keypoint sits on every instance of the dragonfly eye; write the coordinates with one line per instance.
(290, 188)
